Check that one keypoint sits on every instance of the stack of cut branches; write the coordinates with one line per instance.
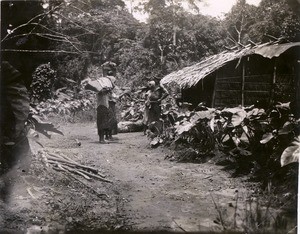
(63, 163)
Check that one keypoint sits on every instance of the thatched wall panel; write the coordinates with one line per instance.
(253, 97)
(258, 87)
(229, 79)
(228, 86)
(227, 98)
(285, 78)
(265, 78)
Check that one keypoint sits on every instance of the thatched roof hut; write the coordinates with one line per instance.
(248, 73)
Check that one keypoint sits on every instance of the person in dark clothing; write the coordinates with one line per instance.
(105, 115)
(154, 96)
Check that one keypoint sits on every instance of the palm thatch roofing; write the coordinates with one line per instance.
(191, 75)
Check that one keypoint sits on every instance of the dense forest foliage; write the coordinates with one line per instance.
(75, 35)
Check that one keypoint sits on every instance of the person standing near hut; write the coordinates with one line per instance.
(154, 96)
(103, 86)
(107, 119)
(105, 115)
(112, 100)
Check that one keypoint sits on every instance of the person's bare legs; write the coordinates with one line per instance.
(101, 137)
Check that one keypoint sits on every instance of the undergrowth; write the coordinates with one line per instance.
(261, 144)
(253, 214)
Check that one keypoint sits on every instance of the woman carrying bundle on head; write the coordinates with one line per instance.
(106, 117)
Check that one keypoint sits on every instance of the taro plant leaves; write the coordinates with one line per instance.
(238, 115)
(291, 153)
(156, 141)
(43, 127)
(287, 128)
(187, 125)
(267, 137)
(184, 127)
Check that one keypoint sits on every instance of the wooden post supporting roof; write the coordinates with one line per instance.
(243, 82)
(274, 76)
(297, 84)
(214, 91)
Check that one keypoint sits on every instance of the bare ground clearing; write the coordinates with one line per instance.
(148, 193)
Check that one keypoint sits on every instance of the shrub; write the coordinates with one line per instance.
(43, 79)
(247, 140)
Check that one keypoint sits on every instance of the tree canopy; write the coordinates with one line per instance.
(72, 35)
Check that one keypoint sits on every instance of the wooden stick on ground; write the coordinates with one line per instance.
(62, 156)
(95, 176)
(100, 195)
(76, 172)
(67, 168)
(85, 174)
(72, 163)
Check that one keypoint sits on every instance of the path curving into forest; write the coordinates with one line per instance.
(149, 192)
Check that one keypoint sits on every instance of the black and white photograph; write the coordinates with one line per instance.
(149, 116)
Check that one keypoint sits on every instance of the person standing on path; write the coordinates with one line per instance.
(103, 86)
(106, 118)
(112, 100)
(154, 96)
(106, 104)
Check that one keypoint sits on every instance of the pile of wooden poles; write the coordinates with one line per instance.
(63, 163)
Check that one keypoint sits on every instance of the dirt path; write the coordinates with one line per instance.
(149, 192)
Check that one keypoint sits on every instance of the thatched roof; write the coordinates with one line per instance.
(191, 75)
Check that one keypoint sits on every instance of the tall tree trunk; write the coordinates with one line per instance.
(161, 48)
(174, 35)
(174, 27)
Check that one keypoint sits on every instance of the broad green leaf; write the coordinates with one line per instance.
(43, 127)
(232, 110)
(291, 153)
(187, 126)
(211, 124)
(226, 138)
(155, 142)
(285, 106)
(208, 114)
(236, 140)
(238, 117)
(244, 138)
(266, 138)
(255, 113)
(246, 130)
(286, 129)
(244, 152)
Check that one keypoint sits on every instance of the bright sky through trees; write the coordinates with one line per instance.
(216, 8)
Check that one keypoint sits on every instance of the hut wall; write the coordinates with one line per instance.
(258, 89)
(287, 76)
(202, 92)
(263, 81)
(250, 80)
(259, 73)
(228, 85)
